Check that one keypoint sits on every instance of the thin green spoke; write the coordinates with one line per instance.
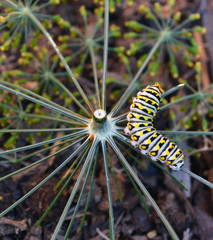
(111, 215)
(56, 109)
(130, 88)
(55, 80)
(106, 39)
(47, 35)
(80, 197)
(41, 160)
(40, 130)
(83, 132)
(45, 180)
(89, 194)
(69, 121)
(194, 133)
(37, 96)
(87, 165)
(143, 189)
(195, 176)
(172, 90)
(81, 157)
(92, 55)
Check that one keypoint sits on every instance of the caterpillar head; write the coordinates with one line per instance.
(159, 87)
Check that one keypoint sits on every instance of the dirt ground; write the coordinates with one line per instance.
(189, 212)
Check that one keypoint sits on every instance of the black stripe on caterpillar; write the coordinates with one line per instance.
(143, 134)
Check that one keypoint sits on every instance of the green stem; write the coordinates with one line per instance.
(54, 79)
(80, 197)
(87, 165)
(49, 38)
(12, 4)
(81, 157)
(92, 55)
(39, 130)
(44, 142)
(106, 38)
(69, 121)
(195, 176)
(172, 90)
(45, 100)
(39, 161)
(130, 88)
(111, 215)
(56, 109)
(143, 189)
(119, 136)
(88, 195)
(179, 100)
(194, 133)
(45, 180)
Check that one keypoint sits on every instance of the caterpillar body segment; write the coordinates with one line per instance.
(133, 127)
(142, 109)
(147, 101)
(175, 161)
(148, 143)
(143, 134)
(135, 117)
(156, 151)
(148, 97)
(140, 136)
(169, 150)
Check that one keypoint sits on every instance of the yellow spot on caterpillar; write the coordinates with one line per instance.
(149, 129)
(134, 138)
(137, 116)
(137, 125)
(130, 127)
(167, 152)
(154, 135)
(141, 133)
(143, 147)
(153, 153)
(158, 147)
(140, 107)
(162, 158)
(130, 115)
(149, 141)
(168, 162)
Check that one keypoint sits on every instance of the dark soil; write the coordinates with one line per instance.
(189, 212)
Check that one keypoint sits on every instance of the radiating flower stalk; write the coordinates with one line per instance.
(178, 41)
(88, 43)
(199, 102)
(42, 75)
(85, 137)
(17, 25)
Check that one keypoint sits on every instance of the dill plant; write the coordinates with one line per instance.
(177, 37)
(87, 42)
(86, 136)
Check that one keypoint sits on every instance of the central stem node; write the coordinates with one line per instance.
(101, 125)
(99, 116)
